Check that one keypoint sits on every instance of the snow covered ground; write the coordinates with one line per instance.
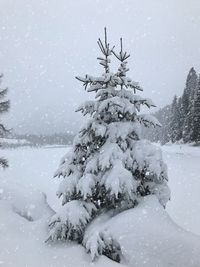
(184, 180)
(24, 214)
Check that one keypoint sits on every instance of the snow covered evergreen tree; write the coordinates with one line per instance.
(175, 130)
(108, 167)
(178, 117)
(195, 126)
(187, 105)
(189, 89)
(4, 106)
(160, 134)
(173, 120)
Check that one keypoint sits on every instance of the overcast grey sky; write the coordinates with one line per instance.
(45, 43)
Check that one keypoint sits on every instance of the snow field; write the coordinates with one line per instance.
(147, 235)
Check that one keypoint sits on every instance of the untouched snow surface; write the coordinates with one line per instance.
(147, 235)
(184, 180)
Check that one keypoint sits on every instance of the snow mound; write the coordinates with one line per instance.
(147, 237)
(24, 215)
(25, 201)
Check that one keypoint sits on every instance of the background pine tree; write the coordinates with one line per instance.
(174, 127)
(195, 125)
(187, 104)
(177, 119)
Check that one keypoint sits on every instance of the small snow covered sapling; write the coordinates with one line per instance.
(108, 167)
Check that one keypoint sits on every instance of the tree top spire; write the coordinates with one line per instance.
(106, 51)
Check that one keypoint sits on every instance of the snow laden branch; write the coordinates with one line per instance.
(4, 107)
(108, 168)
(108, 80)
(71, 220)
(99, 243)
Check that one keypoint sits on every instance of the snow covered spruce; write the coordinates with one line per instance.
(108, 169)
(180, 119)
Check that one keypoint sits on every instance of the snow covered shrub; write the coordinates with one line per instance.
(108, 166)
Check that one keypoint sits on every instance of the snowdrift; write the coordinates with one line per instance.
(148, 237)
(24, 216)
(146, 234)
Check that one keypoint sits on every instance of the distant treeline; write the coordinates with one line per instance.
(40, 140)
(181, 119)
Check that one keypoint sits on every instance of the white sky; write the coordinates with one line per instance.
(45, 43)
